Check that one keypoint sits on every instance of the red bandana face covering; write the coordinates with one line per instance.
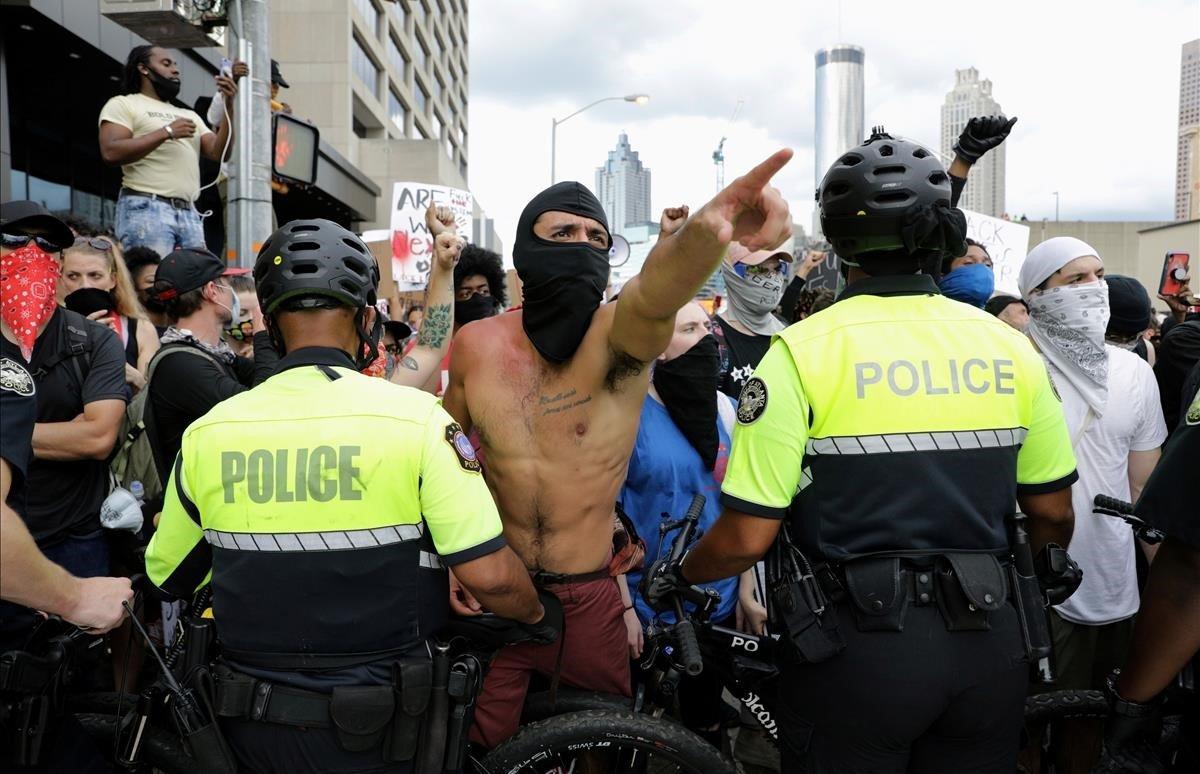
(378, 366)
(28, 279)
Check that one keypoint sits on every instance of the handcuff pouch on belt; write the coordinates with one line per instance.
(412, 678)
(965, 588)
(799, 606)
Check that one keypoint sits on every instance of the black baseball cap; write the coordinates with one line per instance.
(21, 217)
(400, 330)
(184, 270)
(276, 76)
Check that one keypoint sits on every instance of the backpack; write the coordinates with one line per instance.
(134, 460)
(79, 348)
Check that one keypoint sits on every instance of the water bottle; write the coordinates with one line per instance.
(138, 491)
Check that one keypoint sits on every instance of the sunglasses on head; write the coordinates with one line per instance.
(96, 243)
(241, 331)
(17, 241)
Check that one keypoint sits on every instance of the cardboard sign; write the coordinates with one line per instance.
(412, 244)
(1007, 243)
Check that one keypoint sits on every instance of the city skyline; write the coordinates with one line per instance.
(970, 97)
(623, 187)
(1187, 154)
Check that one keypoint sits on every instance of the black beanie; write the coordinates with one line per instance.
(1129, 306)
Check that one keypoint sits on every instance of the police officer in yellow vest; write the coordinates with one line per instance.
(326, 505)
(889, 436)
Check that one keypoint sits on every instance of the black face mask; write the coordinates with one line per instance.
(150, 303)
(165, 88)
(688, 388)
(563, 282)
(474, 308)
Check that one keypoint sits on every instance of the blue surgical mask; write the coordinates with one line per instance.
(971, 284)
(235, 304)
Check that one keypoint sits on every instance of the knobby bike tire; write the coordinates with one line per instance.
(1056, 705)
(538, 706)
(160, 750)
(624, 737)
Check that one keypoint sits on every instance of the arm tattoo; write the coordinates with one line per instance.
(435, 328)
(410, 363)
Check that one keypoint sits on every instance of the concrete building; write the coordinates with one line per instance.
(386, 83)
(1187, 157)
(838, 110)
(1118, 242)
(623, 187)
(972, 97)
(1153, 245)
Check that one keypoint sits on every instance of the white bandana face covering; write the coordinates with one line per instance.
(1067, 323)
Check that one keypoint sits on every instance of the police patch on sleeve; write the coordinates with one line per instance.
(14, 378)
(462, 447)
(753, 401)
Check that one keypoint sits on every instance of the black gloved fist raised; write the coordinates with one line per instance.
(981, 134)
(1130, 734)
(1057, 573)
(660, 583)
(548, 629)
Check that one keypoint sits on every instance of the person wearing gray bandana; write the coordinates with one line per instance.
(1111, 404)
(754, 284)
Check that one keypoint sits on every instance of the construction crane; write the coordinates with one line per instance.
(718, 155)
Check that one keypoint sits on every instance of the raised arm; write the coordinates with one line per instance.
(433, 339)
(749, 210)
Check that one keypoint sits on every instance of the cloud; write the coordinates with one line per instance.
(1096, 91)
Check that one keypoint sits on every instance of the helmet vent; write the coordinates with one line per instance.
(850, 159)
(937, 178)
(886, 150)
(355, 266)
(894, 169)
(299, 247)
(353, 243)
(892, 197)
(920, 153)
(305, 268)
(299, 227)
(837, 189)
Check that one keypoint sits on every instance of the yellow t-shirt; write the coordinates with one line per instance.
(171, 169)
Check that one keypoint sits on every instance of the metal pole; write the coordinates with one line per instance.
(1056, 206)
(249, 204)
(553, 146)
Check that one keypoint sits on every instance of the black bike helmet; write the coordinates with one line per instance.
(311, 259)
(867, 192)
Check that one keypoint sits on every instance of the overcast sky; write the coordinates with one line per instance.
(1096, 88)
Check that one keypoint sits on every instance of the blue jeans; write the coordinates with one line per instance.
(146, 222)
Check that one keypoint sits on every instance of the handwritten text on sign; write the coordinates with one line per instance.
(1006, 242)
(412, 245)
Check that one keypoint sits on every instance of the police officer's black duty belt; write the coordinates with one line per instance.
(244, 697)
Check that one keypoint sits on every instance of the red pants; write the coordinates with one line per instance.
(595, 657)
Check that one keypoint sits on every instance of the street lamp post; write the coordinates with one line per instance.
(638, 99)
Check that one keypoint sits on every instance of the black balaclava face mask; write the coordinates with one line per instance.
(475, 308)
(165, 88)
(563, 282)
(688, 388)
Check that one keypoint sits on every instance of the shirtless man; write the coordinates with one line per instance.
(554, 392)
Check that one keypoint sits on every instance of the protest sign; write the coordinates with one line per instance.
(1006, 242)
(412, 245)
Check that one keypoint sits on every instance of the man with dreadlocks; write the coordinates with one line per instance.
(158, 142)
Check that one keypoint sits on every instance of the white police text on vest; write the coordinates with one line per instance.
(322, 474)
(935, 377)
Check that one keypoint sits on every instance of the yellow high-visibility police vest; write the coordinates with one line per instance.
(325, 503)
(897, 421)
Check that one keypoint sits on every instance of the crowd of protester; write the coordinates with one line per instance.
(147, 308)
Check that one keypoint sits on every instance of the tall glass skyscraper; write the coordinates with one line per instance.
(839, 109)
(623, 187)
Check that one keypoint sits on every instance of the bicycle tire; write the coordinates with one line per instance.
(631, 741)
(539, 707)
(1056, 705)
(160, 750)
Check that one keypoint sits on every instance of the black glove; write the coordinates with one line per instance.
(1057, 573)
(1130, 734)
(660, 583)
(550, 626)
(980, 135)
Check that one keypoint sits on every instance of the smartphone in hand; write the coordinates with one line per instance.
(226, 67)
(1174, 273)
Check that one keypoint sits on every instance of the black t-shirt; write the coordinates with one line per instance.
(1169, 499)
(740, 355)
(18, 412)
(186, 387)
(63, 498)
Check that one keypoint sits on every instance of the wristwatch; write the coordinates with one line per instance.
(1127, 707)
(170, 133)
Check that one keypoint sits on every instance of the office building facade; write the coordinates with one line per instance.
(972, 97)
(1187, 156)
(623, 187)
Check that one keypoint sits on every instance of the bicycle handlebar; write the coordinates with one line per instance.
(1119, 507)
(1111, 506)
(689, 647)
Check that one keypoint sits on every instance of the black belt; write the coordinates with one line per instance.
(245, 697)
(542, 578)
(178, 203)
(917, 580)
